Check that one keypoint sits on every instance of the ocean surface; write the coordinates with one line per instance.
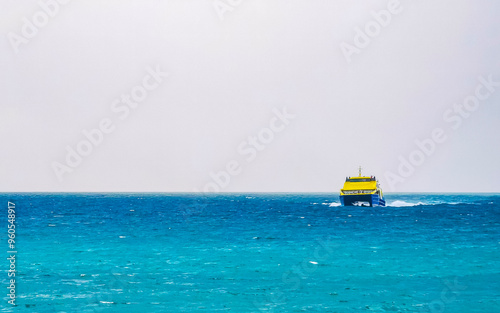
(253, 253)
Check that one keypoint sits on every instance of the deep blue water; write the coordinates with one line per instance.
(253, 253)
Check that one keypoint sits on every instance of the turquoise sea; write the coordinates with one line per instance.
(252, 253)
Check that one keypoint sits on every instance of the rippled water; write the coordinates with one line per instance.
(252, 253)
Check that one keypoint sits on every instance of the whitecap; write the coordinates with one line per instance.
(400, 203)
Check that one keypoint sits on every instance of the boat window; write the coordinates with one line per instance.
(357, 180)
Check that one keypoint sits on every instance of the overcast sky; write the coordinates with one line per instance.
(249, 96)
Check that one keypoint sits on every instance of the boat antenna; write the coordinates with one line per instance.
(359, 171)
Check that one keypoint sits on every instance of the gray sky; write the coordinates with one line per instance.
(234, 67)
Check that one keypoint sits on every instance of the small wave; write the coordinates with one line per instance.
(400, 203)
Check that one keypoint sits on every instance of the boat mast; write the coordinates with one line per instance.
(360, 171)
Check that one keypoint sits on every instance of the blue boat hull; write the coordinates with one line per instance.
(362, 200)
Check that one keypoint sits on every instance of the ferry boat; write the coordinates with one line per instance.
(362, 191)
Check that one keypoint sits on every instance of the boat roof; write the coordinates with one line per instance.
(360, 182)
